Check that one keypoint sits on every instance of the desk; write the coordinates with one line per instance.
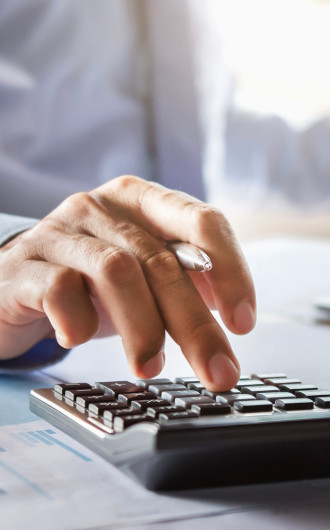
(68, 487)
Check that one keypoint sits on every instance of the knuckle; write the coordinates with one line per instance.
(163, 266)
(206, 218)
(79, 202)
(125, 181)
(118, 265)
(63, 280)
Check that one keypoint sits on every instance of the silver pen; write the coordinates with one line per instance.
(190, 257)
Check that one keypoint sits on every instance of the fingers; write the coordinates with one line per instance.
(173, 215)
(114, 277)
(48, 290)
(185, 315)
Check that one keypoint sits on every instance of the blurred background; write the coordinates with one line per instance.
(278, 133)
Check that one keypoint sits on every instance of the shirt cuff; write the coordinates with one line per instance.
(12, 225)
(43, 354)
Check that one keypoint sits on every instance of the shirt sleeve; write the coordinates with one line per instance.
(47, 351)
(12, 225)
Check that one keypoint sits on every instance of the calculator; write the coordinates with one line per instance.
(172, 435)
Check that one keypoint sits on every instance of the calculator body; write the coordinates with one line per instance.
(201, 452)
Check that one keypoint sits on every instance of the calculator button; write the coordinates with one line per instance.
(110, 415)
(100, 408)
(211, 409)
(294, 404)
(185, 380)
(60, 389)
(155, 411)
(263, 377)
(177, 415)
(143, 405)
(135, 396)
(158, 389)
(120, 424)
(118, 387)
(213, 395)
(283, 381)
(186, 402)
(254, 390)
(145, 383)
(312, 394)
(172, 394)
(245, 378)
(246, 407)
(323, 402)
(250, 382)
(231, 398)
(196, 386)
(297, 386)
(84, 401)
(73, 394)
(273, 396)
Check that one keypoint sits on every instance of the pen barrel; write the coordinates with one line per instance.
(190, 257)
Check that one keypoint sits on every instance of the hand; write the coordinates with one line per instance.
(97, 266)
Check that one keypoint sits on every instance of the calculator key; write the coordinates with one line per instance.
(155, 411)
(100, 408)
(110, 415)
(73, 394)
(84, 401)
(323, 402)
(196, 386)
(273, 396)
(143, 405)
(211, 409)
(60, 389)
(172, 394)
(254, 390)
(281, 381)
(294, 404)
(185, 380)
(120, 424)
(231, 398)
(245, 378)
(263, 377)
(186, 402)
(312, 394)
(251, 382)
(177, 415)
(118, 387)
(135, 396)
(213, 395)
(246, 407)
(295, 387)
(158, 389)
(145, 383)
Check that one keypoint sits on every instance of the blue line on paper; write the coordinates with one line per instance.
(26, 481)
(2, 450)
(2, 492)
(49, 431)
(28, 437)
(64, 446)
(20, 439)
(40, 438)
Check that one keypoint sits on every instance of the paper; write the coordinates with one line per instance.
(290, 274)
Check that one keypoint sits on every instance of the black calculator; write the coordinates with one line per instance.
(179, 435)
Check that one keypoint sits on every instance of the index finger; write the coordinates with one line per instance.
(175, 215)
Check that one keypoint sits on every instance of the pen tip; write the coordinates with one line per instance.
(207, 266)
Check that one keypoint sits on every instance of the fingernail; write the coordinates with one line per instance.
(63, 341)
(244, 318)
(223, 372)
(154, 366)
